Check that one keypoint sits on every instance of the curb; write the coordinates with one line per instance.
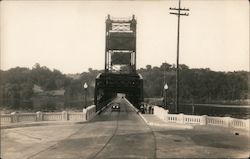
(97, 113)
(131, 105)
(170, 126)
(138, 112)
(41, 124)
(145, 120)
(155, 124)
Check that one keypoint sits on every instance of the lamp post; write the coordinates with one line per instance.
(85, 86)
(165, 94)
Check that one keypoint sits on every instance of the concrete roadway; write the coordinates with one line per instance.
(110, 135)
(122, 135)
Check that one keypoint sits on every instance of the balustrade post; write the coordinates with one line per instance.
(247, 122)
(84, 111)
(203, 120)
(181, 118)
(64, 115)
(166, 115)
(14, 117)
(167, 111)
(163, 114)
(228, 121)
(39, 116)
(155, 111)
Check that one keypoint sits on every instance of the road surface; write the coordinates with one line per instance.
(122, 135)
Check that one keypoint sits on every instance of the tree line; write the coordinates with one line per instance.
(196, 85)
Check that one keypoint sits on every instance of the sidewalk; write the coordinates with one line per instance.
(197, 141)
(153, 120)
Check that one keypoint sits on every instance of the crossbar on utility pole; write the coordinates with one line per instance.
(178, 13)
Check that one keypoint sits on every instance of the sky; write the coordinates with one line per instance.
(70, 35)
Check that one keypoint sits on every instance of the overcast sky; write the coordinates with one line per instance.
(69, 35)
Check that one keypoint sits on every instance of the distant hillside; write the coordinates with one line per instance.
(57, 92)
(37, 89)
(74, 76)
(45, 89)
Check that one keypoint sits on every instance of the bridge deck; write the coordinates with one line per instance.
(122, 135)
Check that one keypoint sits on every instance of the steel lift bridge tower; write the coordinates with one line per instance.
(120, 74)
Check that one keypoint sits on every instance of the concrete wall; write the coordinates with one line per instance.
(201, 120)
(86, 114)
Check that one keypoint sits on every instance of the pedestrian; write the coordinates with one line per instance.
(150, 109)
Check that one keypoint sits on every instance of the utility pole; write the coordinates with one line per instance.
(178, 13)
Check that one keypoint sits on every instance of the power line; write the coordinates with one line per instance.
(178, 13)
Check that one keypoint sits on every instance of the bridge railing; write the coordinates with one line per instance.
(51, 116)
(90, 112)
(6, 118)
(201, 120)
(14, 117)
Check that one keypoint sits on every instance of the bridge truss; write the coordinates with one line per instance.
(120, 74)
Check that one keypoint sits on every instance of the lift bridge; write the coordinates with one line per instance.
(120, 74)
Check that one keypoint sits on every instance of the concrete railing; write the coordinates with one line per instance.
(6, 118)
(76, 116)
(52, 116)
(191, 119)
(201, 120)
(14, 117)
(90, 112)
(25, 117)
(160, 112)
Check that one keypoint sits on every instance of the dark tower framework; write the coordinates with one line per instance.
(120, 74)
(120, 50)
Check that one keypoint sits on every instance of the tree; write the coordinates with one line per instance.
(148, 67)
(165, 67)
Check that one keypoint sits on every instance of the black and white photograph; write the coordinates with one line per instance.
(124, 79)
